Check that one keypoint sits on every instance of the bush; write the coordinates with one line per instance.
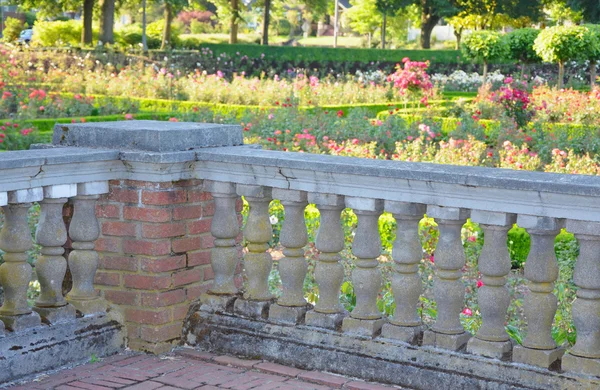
(57, 33)
(520, 46)
(12, 29)
(560, 44)
(485, 46)
(131, 36)
(155, 30)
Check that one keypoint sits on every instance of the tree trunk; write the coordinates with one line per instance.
(523, 66)
(107, 23)
(88, 15)
(383, 28)
(458, 35)
(485, 72)
(336, 23)
(233, 23)
(561, 74)
(166, 39)
(592, 74)
(428, 22)
(266, 21)
(369, 40)
(144, 38)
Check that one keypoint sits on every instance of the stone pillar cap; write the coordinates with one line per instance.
(147, 135)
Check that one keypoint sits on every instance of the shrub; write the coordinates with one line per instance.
(560, 44)
(132, 36)
(520, 46)
(485, 46)
(155, 30)
(57, 33)
(12, 29)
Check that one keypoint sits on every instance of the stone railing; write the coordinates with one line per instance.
(171, 221)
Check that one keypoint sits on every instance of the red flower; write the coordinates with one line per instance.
(479, 283)
(340, 113)
(467, 312)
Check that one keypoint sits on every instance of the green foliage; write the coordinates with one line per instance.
(363, 16)
(485, 46)
(520, 45)
(155, 31)
(562, 43)
(57, 33)
(12, 29)
(593, 38)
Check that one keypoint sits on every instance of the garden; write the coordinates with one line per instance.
(518, 114)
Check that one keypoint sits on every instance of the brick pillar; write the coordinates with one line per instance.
(155, 256)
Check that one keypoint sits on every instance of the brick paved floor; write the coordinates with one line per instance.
(190, 369)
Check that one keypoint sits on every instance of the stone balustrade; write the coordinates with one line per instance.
(157, 187)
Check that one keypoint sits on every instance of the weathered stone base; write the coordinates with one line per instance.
(55, 315)
(327, 321)
(497, 350)
(550, 358)
(22, 322)
(1, 329)
(452, 342)
(408, 334)
(293, 315)
(252, 309)
(50, 347)
(367, 328)
(217, 303)
(89, 306)
(380, 360)
(581, 365)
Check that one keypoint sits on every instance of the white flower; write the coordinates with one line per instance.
(273, 219)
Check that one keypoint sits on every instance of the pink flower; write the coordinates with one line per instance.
(508, 80)
(42, 108)
(467, 312)
(128, 116)
(173, 120)
(271, 116)
(479, 283)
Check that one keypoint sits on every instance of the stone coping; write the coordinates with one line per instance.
(54, 156)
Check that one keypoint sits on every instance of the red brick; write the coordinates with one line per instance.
(165, 298)
(201, 257)
(190, 183)
(236, 362)
(180, 311)
(274, 368)
(209, 273)
(118, 228)
(107, 278)
(147, 316)
(194, 292)
(208, 209)
(188, 276)
(163, 230)
(239, 205)
(323, 378)
(150, 248)
(200, 226)
(147, 184)
(186, 244)
(120, 263)
(121, 297)
(123, 195)
(147, 282)
(133, 331)
(199, 196)
(356, 385)
(164, 264)
(67, 210)
(88, 386)
(108, 244)
(163, 198)
(187, 212)
(195, 354)
(161, 333)
(146, 214)
(208, 241)
(108, 211)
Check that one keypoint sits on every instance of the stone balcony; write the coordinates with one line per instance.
(149, 215)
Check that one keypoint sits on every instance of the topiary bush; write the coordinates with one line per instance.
(520, 46)
(485, 46)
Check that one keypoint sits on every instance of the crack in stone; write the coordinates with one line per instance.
(287, 178)
(40, 171)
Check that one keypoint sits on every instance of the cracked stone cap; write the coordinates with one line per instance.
(147, 135)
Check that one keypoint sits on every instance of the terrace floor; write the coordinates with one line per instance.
(189, 369)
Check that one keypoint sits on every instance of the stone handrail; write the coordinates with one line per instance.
(543, 203)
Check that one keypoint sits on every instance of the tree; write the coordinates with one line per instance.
(387, 8)
(107, 22)
(593, 50)
(171, 8)
(432, 11)
(364, 17)
(266, 21)
(230, 11)
(559, 44)
(485, 46)
(590, 9)
(520, 46)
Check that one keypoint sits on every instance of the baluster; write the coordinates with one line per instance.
(15, 272)
(494, 264)
(3, 202)
(224, 256)
(540, 304)
(51, 265)
(291, 307)
(84, 230)
(329, 272)
(366, 319)
(407, 253)
(584, 357)
(448, 289)
(257, 262)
